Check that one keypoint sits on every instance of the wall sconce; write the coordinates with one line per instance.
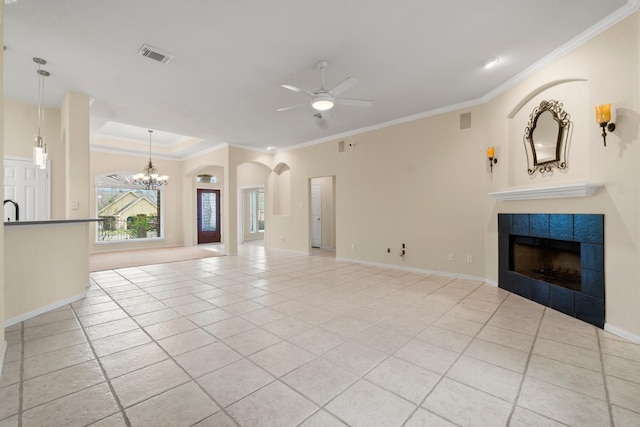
(603, 116)
(491, 155)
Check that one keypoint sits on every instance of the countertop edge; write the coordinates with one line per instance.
(51, 221)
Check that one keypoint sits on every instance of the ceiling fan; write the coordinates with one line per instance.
(324, 99)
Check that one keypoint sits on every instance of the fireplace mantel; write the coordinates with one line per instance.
(582, 189)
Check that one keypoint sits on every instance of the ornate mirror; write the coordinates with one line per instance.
(546, 138)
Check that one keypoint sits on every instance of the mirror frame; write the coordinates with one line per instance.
(563, 120)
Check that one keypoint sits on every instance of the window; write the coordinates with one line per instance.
(209, 179)
(130, 212)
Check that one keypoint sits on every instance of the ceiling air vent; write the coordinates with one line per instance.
(155, 54)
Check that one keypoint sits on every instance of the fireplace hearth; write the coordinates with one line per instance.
(556, 260)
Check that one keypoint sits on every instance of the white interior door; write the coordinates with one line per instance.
(316, 215)
(28, 186)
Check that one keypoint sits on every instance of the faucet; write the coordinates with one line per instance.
(17, 208)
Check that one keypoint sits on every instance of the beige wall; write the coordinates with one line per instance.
(21, 126)
(62, 272)
(228, 159)
(290, 229)
(609, 64)
(425, 183)
(74, 122)
(66, 133)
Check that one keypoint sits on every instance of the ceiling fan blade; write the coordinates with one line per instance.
(344, 85)
(291, 107)
(354, 102)
(297, 89)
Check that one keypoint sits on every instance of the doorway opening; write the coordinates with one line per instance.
(208, 216)
(252, 214)
(322, 231)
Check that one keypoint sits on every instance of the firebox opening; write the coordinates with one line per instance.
(552, 261)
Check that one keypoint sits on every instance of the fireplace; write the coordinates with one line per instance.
(556, 260)
(550, 260)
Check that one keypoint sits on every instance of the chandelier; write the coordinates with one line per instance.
(149, 179)
(39, 146)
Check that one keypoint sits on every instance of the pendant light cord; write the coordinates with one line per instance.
(40, 98)
(150, 132)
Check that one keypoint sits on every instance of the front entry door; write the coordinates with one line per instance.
(208, 216)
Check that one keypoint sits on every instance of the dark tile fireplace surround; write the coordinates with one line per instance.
(556, 260)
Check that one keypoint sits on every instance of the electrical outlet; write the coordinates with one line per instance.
(450, 257)
(469, 258)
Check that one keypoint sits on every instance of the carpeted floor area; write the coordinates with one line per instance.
(135, 258)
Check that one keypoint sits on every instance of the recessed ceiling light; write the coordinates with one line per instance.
(271, 148)
(491, 62)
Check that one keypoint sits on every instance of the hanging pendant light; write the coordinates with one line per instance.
(149, 179)
(40, 146)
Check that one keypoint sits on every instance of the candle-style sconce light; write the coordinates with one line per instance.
(491, 155)
(603, 117)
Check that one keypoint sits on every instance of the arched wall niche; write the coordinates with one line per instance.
(573, 94)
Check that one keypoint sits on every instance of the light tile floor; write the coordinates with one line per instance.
(271, 338)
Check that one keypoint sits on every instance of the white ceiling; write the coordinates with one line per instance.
(412, 57)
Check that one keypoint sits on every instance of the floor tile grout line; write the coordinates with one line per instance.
(350, 294)
(104, 373)
(605, 382)
(170, 357)
(276, 378)
(526, 368)
(443, 375)
(392, 354)
(21, 386)
(560, 386)
(531, 353)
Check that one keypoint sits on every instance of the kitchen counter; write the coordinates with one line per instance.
(46, 265)
(51, 221)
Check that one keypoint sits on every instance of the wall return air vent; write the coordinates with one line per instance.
(155, 54)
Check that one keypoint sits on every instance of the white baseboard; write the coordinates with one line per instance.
(418, 270)
(622, 333)
(42, 310)
(607, 327)
(491, 282)
(291, 251)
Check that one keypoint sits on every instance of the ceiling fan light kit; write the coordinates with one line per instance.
(325, 99)
(323, 102)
